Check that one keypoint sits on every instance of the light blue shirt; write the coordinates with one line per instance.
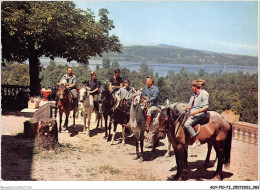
(153, 93)
(201, 100)
(125, 93)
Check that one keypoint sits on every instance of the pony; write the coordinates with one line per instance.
(64, 104)
(121, 116)
(214, 130)
(106, 103)
(137, 123)
(86, 105)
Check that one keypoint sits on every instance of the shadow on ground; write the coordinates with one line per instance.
(16, 158)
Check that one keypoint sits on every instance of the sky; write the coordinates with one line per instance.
(223, 26)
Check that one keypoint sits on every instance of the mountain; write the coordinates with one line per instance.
(164, 53)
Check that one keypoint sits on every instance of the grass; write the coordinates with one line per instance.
(108, 169)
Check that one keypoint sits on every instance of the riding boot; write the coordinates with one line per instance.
(148, 122)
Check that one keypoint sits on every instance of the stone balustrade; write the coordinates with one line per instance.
(245, 132)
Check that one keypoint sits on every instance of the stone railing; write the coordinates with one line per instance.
(245, 132)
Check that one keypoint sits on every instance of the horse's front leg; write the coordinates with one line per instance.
(109, 129)
(89, 119)
(105, 118)
(84, 118)
(114, 132)
(142, 150)
(67, 120)
(123, 135)
(98, 116)
(136, 149)
(60, 113)
(74, 113)
(180, 156)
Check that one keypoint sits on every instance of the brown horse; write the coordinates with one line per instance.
(64, 104)
(214, 130)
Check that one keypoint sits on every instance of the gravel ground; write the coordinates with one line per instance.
(83, 158)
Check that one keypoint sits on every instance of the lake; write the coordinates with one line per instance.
(162, 68)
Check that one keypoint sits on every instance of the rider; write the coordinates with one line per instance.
(93, 85)
(150, 95)
(125, 92)
(115, 82)
(198, 106)
(71, 81)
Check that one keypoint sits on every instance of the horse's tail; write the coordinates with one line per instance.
(228, 147)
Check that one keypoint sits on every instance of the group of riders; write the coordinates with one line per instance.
(195, 111)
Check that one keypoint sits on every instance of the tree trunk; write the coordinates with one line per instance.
(47, 135)
(34, 70)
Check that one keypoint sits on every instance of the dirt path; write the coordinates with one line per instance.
(83, 158)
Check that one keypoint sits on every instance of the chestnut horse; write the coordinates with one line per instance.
(64, 104)
(214, 130)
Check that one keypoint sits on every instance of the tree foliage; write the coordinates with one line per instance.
(235, 91)
(31, 29)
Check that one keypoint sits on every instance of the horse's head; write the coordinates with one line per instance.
(103, 93)
(63, 91)
(164, 121)
(136, 97)
(83, 94)
(125, 105)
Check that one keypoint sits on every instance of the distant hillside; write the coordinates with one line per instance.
(164, 53)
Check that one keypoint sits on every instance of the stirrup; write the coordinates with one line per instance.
(198, 131)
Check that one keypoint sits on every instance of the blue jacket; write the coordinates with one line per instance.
(153, 93)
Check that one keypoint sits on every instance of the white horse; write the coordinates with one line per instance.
(86, 105)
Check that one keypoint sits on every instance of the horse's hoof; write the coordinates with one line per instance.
(105, 137)
(136, 157)
(178, 178)
(123, 143)
(141, 160)
(217, 178)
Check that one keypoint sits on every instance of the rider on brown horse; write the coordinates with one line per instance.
(71, 80)
(198, 106)
(150, 95)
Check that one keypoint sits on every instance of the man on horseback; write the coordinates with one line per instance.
(151, 96)
(125, 92)
(71, 81)
(115, 83)
(198, 106)
(93, 84)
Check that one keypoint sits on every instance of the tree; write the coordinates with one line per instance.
(31, 29)
(106, 63)
(115, 65)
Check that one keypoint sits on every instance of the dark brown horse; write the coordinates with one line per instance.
(106, 103)
(214, 130)
(64, 104)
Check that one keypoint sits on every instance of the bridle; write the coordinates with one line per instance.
(166, 130)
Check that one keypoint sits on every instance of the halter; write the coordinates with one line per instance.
(164, 131)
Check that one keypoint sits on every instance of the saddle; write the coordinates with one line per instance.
(196, 126)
